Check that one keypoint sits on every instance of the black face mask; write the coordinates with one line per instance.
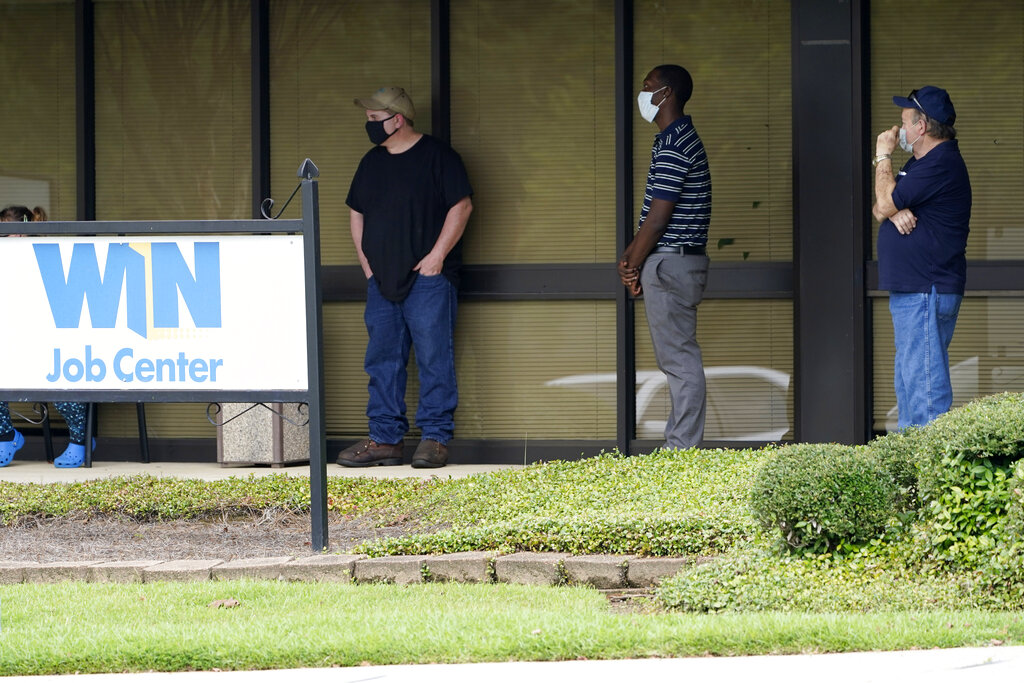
(375, 130)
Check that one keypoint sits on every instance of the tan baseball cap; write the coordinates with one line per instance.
(390, 98)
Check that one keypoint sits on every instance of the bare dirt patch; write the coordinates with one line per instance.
(107, 539)
(631, 600)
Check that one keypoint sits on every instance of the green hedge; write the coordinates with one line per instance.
(966, 464)
(824, 497)
(988, 427)
(1015, 505)
(146, 498)
(758, 582)
(899, 452)
(581, 534)
(956, 472)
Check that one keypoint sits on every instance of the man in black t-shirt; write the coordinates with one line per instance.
(409, 201)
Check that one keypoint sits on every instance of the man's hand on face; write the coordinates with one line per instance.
(887, 141)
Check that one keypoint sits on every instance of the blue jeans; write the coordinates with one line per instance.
(426, 320)
(923, 327)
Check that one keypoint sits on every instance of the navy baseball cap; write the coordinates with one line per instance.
(932, 101)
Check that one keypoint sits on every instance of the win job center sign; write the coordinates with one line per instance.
(218, 313)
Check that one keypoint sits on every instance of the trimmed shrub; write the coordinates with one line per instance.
(965, 468)
(1015, 506)
(582, 534)
(750, 582)
(989, 427)
(898, 452)
(824, 497)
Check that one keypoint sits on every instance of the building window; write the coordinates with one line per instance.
(533, 116)
(738, 52)
(37, 112)
(173, 109)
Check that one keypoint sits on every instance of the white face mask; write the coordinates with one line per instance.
(648, 110)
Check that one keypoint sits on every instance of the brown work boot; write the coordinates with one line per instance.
(369, 453)
(430, 453)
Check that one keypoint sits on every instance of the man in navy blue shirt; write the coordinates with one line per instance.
(925, 212)
(667, 259)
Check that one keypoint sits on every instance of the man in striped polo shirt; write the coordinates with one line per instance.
(667, 260)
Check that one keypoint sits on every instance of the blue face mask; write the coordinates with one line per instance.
(375, 130)
(907, 146)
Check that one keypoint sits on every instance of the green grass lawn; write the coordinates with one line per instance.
(75, 627)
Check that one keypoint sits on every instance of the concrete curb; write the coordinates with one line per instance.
(599, 571)
(400, 569)
(14, 572)
(326, 568)
(181, 570)
(254, 568)
(55, 572)
(466, 567)
(537, 569)
(605, 572)
(645, 572)
(124, 571)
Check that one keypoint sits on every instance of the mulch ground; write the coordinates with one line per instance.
(108, 539)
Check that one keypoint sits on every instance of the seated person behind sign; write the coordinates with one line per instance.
(11, 440)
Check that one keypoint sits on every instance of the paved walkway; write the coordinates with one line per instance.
(39, 472)
(962, 665)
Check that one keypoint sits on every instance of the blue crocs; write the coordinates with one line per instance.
(9, 448)
(73, 456)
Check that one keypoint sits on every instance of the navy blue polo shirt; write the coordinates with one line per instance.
(679, 173)
(937, 189)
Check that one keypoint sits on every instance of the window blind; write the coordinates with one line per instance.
(172, 136)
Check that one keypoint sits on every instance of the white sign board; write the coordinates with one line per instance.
(217, 313)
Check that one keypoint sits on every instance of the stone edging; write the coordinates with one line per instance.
(548, 569)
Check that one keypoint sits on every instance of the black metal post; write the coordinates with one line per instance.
(440, 71)
(829, 205)
(90, 426)
(625, 309)
(314, 357)
(260, 116)
(47, 434)
(85, 102)
(140, 409)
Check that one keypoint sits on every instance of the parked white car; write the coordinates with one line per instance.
(744, 402)
(973, 377)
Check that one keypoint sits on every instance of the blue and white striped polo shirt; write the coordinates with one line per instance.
(679, 173)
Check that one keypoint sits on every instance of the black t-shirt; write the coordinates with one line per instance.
(404, 199)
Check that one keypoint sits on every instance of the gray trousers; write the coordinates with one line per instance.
(673, 285)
